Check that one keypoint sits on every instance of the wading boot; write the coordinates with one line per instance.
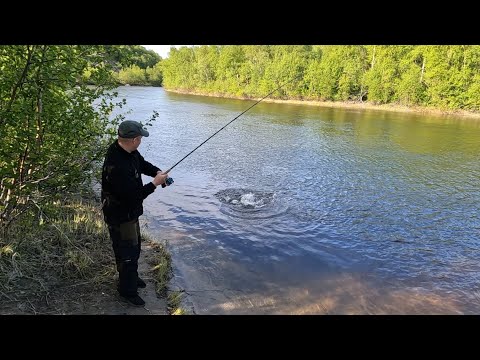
(133, 300)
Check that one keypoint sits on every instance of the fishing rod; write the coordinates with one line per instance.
(215, 133)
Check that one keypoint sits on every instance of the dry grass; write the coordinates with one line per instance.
(53, 252)
(59, 260)
(54, 259)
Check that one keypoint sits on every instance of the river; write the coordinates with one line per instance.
(296, 209)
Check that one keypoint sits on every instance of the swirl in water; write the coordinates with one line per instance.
(252, 204)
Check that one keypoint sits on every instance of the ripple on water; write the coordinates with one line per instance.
(250, 204)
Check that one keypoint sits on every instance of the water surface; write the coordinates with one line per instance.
(297, 209)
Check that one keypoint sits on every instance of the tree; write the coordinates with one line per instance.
(121, 56)
(53, 126)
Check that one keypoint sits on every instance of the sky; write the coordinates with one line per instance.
(161, 50)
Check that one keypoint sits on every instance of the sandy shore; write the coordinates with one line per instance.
(347, 105)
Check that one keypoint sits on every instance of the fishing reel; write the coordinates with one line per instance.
(168, 182)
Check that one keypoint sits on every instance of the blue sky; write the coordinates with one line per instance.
(162, 50)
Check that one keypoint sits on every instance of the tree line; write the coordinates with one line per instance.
(438, 76)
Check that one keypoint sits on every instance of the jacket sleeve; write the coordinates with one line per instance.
(125, 188)
(147, 168)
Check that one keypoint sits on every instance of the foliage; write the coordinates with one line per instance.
(122, 56)
(132, 75)
(444, 77)
(54, 127)
(154, 75)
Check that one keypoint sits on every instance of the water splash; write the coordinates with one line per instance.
(248, 203)
(246, 198)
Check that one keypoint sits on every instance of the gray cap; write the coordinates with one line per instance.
(130, 129)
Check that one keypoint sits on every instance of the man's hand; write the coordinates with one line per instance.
(159, 178)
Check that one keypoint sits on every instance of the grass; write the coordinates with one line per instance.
(161, 267)
(174, 300)
(56, 259)
(41, 253)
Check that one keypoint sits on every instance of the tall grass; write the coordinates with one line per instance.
(48, 251)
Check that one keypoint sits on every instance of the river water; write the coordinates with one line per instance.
(296, 209)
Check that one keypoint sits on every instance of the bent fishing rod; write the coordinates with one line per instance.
(223, 127)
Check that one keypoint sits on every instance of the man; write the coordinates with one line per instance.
(123, 193)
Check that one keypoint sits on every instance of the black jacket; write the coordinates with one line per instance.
(123, 191)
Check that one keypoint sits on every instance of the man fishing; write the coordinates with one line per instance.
(123, 193)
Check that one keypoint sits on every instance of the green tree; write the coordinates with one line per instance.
(252, 71)
(381, 78)
(230, 61)
(288, 62)
(121, 56)
(155, 74)
(132, 75)
(179, 69)
(53, 126)
(410, 89)
(205, 62)
(353, 62)
(437, 76)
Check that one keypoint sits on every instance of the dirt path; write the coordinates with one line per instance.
(87, 299)
(111, 303)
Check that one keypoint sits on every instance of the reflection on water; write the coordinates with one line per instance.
(313, 208)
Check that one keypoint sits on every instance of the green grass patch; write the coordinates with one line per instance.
(160, 265)
(174, 301)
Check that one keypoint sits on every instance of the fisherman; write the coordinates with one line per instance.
(123, 193)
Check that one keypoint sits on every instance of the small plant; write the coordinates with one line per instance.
(174, 300)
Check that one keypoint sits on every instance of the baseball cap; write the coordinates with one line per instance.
(130, 129)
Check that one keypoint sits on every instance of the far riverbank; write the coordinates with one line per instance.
(346, 104)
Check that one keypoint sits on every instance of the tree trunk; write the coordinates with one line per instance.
(39, 108)
(373, 57)
(423, 70)
(21, 80)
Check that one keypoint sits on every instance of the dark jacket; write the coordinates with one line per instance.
(123, 191)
